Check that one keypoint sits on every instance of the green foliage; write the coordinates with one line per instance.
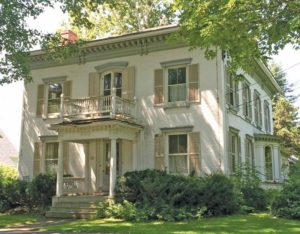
(118, 17)
(42, 188)
(247, 30)
(286, 125)
(156, 195)
(253, 197)
(7, 173)
(16, 193)
(287, 203)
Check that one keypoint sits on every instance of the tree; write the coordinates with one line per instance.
(247, 30)
(117, 17)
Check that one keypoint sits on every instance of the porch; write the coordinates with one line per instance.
(91, 155)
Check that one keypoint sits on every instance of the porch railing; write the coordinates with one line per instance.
(98, 107)
(73, 185)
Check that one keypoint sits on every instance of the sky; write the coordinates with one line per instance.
(11, 95)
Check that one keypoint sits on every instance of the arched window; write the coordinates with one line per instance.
(268, 163)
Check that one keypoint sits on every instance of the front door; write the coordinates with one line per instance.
(106, 164)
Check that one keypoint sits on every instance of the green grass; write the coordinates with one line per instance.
(16, 220)
(254, 223)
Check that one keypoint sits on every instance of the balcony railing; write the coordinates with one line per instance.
(98, 107)
(73, 185)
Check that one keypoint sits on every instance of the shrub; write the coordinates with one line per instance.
(42, 188)
(287, 203)
(156, 195)
(253, 197)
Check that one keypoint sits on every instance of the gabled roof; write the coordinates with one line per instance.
(8, 153)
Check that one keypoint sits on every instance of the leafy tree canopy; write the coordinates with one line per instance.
(118, 17)
(247, 30)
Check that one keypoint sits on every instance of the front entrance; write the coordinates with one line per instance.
(106, 163)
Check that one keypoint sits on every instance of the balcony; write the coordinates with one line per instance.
(105, 107)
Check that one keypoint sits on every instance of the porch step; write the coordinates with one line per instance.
(75, 207)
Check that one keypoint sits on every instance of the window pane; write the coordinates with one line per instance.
(181, 75)
(182, 141)
(107, 81)
(172, 76)
(118, 80)
(178, 164)
(173, 146)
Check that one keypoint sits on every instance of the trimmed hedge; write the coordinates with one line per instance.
(156, 195)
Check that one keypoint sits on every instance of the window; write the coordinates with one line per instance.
(268, 163)
(176, 84)
(257, 109)
(232, 94)
(234, 151)
(249, 154)
(51, 157)
(54, 92)
(178, 154)
(177, 151)
(267, 117)
(49, 96)
(247, 100)
(112, 80)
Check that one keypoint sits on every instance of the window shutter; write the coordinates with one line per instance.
(67, 89)
(158, 86)
(236, 93)
(37, 158)
(194, 95)
(159, 163)
(94, 84)
(128, 83)
(40, 100)
(194, 152)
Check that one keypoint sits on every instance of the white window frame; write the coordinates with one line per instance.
(271, 166)
(249, 151)
(247, 102)
(233, 89)
(257, 109)
(112, 83)
(267, 117)
(234, 159)
(166, 81)
(178, 154)
(47, 82)
(53, 159)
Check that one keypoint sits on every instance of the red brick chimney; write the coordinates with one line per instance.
(67, 37)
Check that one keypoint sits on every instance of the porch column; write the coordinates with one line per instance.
(43, 158)
(60, 170)
(113, 166)
(276, 161)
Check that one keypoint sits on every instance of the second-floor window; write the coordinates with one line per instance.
(267, 117)
(247, 101)
(54, 94)
(177, 84)
(112, 80)
(257, 110)
(232, 93)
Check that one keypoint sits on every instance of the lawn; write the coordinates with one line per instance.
(254, 223)
(16, 220)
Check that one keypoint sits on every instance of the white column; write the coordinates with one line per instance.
(87, 173)
(43, 158)
(260, 161)
(276, 162)
(62, 111)
(60, 170)
(113, 166)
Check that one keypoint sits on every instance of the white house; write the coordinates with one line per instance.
(137, 101)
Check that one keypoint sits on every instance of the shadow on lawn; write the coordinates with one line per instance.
(256, 223)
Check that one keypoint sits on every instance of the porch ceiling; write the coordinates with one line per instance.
(91, 129)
